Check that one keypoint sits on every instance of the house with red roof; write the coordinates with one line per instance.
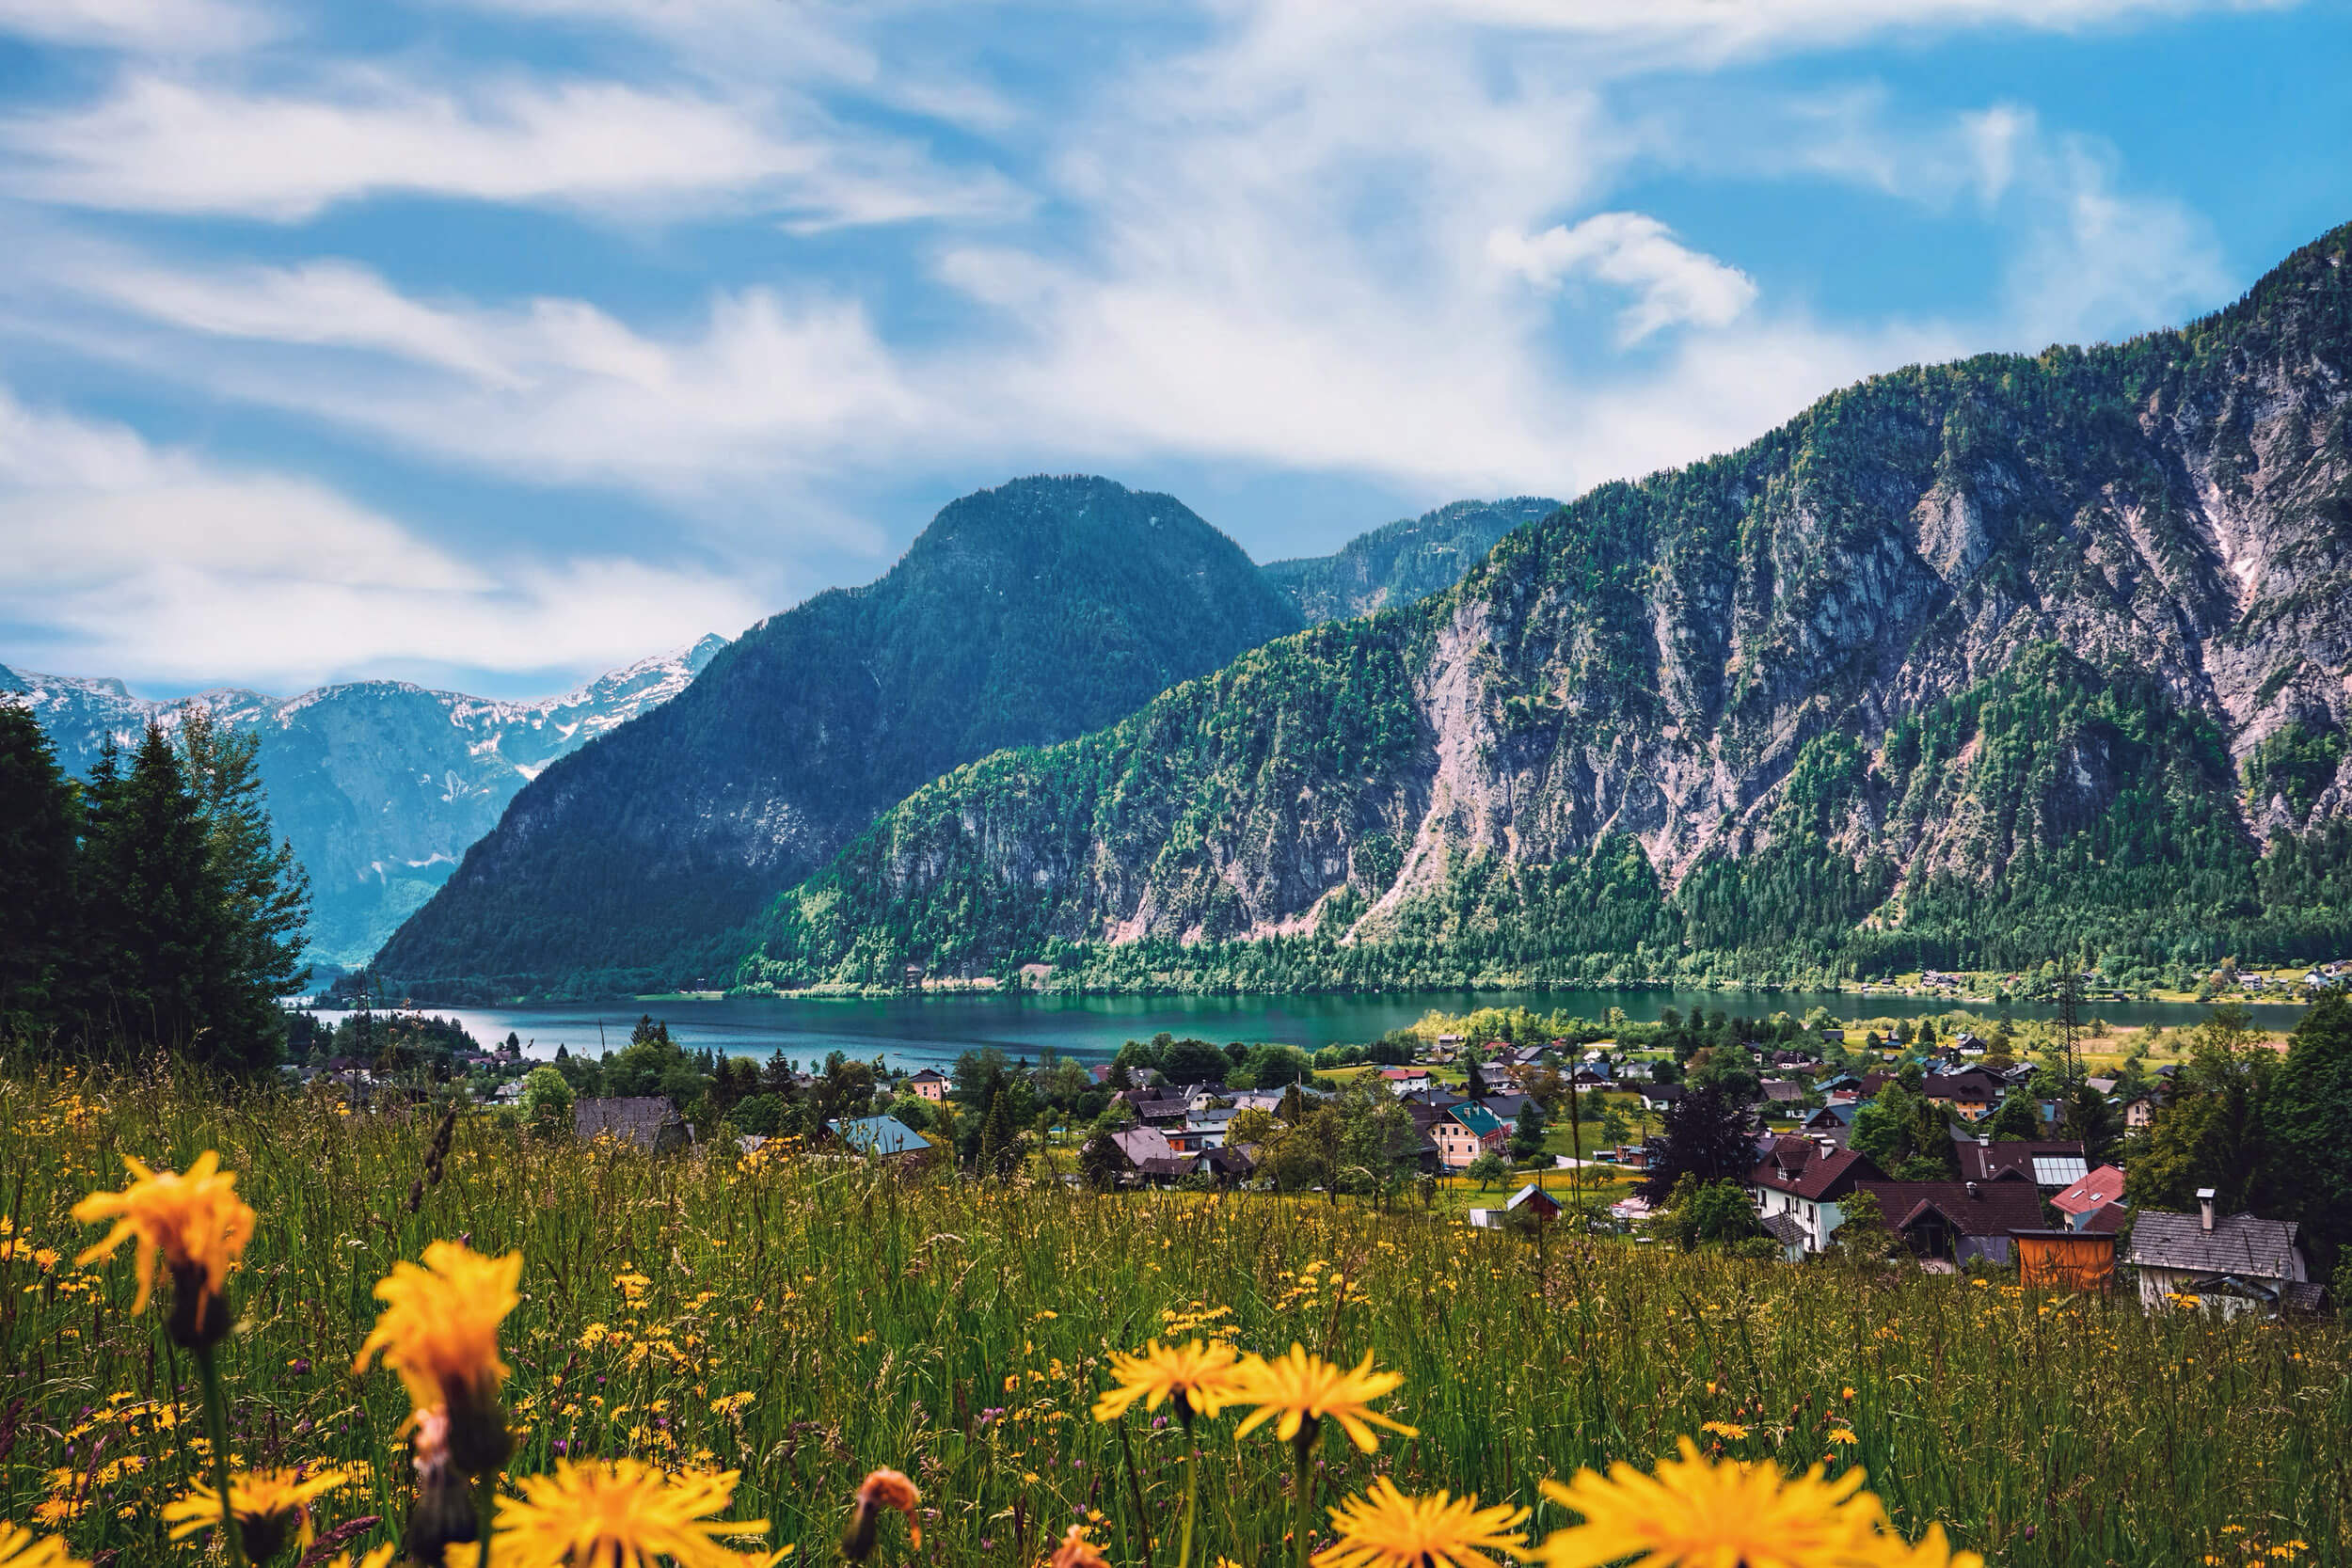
(2086, 1203)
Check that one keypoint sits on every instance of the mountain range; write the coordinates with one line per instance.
(1020, 616)
(1982, 663)
(379, 785)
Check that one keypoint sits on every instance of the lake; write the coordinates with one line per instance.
(932, 1030)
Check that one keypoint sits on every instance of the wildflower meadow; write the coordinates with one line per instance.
(420, 1334)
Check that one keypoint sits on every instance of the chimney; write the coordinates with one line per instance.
(1972, 1189)
(2205, 1208)
(1984, 1140)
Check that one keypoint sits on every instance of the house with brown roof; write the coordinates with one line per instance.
(2230, 1262)
(2049, 1164)
(1972, 1092)
(930, 1084)
(1954, 1223)
(1807, 1179)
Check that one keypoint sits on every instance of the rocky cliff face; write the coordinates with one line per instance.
(1955, 646)
(380, 785)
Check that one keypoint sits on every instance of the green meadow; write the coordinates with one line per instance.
(804, 1321)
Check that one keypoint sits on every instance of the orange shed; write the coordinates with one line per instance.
(2065, 1260)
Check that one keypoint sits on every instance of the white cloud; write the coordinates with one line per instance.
(1674, 285)
(158, 566)
(154, 26)
(158, 144)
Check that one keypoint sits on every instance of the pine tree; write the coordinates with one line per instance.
(2311, 1116)
(153, 906)
(265, 893)
(37, 844)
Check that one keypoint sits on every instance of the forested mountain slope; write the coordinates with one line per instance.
(1022, 615)
(1402, 562)
(1972, 663)
(379, 785)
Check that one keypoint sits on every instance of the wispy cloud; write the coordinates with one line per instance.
(1672, 284)
(158, 144)
(158, 566)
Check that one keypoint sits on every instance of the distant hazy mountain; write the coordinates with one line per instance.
(380, 785)
(1408, 560)
(1023, 615)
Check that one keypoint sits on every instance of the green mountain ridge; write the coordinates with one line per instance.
(1023, 614)
(1972, 663)
(1404, 562)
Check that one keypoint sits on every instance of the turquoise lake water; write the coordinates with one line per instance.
(931, 1031)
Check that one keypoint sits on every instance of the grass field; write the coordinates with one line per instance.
(805, 1324)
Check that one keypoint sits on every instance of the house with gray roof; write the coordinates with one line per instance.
(648, 1122)
(885, 1139)
(2230, 1262)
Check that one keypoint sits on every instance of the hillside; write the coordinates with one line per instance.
(1968, 664)
(1405, 561)
(379, 785)
(1023, 615)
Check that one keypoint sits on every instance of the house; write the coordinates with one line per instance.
(2068, 1260)
(2140, 1110)
(884, 1138)
(2085, 1201)
(1807, 1179)
(1833, 1122)
(1660, 1097)
(1782, 1095)
(2232, 1263)
(930, 1084)
(1465, 1132)
(1956, 1223)
(1972, 1092)
(1505, 1107)
(1530, 1200)
(648, 1121)
(2049, 1164)
(1406, 1080)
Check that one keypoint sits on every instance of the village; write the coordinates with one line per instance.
(1951, 1152)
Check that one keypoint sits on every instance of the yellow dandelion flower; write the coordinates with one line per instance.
(1299, 1388)
(22, 1548)
(1726, 1429)
(1843, 1434)
(1385, 1528)
(439, 1331)
(195, 1223)
(621, 1514)
(1931, 1551)
(1695, 1513)
(272, 1507)
(1198, 1377)
(380, 1556)
(1076, 1551)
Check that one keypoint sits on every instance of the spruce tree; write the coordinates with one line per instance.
(266, 895)
(153, 905)
(38, 845)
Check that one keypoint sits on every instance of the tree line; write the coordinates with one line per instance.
(149, 908)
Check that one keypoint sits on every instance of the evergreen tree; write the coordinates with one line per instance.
(160, 948)
(37, 844)
(265, 893)
(1527, 1137)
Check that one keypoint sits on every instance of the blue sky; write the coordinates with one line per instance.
(496, 342)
